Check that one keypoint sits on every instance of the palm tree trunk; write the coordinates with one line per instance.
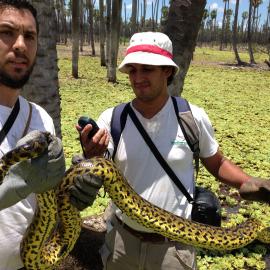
(143, 14)
(133, 17)
(184, 20)
(235, 23)
(43, 86)
(249, 35)
(75, 37)
(223, 26)
(101, 33)
(91, 25)
(63, 22)
(81, 23)
(115, 35)
(108, 30)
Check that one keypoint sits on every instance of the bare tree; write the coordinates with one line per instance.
(183, 25)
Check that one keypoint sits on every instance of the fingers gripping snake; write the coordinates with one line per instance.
(56, 225)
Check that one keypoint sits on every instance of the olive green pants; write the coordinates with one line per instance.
(124, 251)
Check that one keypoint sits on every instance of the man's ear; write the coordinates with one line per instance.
(168, 70)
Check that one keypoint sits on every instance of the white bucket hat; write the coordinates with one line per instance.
(149, 48)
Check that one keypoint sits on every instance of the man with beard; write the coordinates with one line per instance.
(18, 48)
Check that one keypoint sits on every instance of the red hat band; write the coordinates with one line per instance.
(149, 49)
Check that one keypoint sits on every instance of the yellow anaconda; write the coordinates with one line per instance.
(57, 224)
(167, 224)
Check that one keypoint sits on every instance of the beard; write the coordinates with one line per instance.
(13, 83)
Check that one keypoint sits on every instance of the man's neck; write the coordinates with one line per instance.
(149, 109)
(8, 96)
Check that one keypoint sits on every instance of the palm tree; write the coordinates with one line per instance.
(115, 36)
(43, 86)
(143, 14)
(249, 33)
(204, 18)
(183, 25)
(75, 37)
(235, 32)
(223, 24)
(91, 25)
(101, 33)
(213, 16)
(244, 18)
(108, 29)
(133, 18)
(228, 25)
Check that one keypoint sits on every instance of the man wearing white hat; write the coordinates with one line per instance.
(129, 245)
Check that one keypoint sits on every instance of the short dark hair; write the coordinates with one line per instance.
(20, 4)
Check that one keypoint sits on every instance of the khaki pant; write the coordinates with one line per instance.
(124, 251)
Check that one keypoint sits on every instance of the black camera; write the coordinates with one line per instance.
(206, 207)
(84, 120)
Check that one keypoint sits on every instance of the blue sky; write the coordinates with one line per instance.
(211, 4)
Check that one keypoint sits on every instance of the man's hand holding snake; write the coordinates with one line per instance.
(84, 190)
(35, 175)
(256, 189)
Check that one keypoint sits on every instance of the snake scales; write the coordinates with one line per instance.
(56, 225)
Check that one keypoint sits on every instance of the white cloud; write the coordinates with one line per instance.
(213, 6)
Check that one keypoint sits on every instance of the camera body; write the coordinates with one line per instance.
(206, 207)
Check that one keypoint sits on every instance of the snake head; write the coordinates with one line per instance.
(33, 144)
(30, 146)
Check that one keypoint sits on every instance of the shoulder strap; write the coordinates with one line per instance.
(188, 126)
(28, 119)
(118, 122)
(10, 121)
(158, 156)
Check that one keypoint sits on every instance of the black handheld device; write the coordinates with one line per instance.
(84, 120)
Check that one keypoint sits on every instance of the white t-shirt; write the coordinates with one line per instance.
(15, 219)
(143, 171)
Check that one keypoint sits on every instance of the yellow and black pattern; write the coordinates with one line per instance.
(57, 224)
(167, 224)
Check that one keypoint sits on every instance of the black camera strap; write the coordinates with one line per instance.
(10, 121)
(157, 155)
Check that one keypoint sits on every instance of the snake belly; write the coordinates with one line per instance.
(56, 224)
(168, 224)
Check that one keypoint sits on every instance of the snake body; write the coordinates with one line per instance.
(168, 224)
(56, 225)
